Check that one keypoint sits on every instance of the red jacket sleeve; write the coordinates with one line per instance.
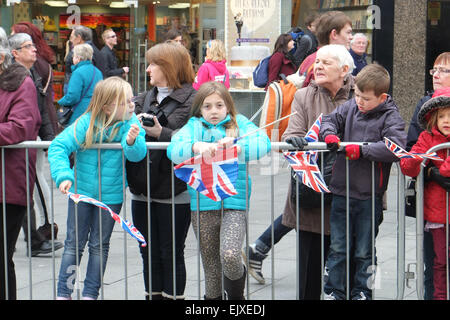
(410, 166)
(444, 170)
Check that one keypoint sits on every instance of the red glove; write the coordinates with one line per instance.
(353, 151)
(332, 142)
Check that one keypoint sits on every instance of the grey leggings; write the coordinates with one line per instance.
(220, 245)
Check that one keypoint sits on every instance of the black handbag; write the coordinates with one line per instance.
(64, 113)
(307, 197)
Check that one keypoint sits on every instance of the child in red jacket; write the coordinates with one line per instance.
(434, 117)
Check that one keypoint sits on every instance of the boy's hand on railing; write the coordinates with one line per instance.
(132, 134)
(353, 151)
(299, 143)
(332, 142)
(64, 186)
(434, 175)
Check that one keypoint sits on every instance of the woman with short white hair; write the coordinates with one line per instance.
(82, 82)
(333, 84)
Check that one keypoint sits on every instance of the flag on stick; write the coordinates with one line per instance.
(125, 224)
(307, 170)
(403, 154)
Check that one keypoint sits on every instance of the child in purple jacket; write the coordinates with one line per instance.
(369, 117)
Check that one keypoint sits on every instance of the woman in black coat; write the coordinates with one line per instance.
(162, 110)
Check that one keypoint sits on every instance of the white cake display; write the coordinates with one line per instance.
(248, 55)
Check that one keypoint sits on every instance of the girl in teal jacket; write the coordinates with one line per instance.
(215, 124)
(109, 118)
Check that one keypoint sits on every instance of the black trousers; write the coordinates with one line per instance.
(14, 218)
(310, 269)
(161, 245)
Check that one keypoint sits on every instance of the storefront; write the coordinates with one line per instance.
(248, 29)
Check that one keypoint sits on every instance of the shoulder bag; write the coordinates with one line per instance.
(64, 113)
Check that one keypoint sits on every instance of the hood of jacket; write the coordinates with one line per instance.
(11, 79)
(220, 66)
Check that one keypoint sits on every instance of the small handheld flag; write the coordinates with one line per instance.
(125, 224)
(213, 177)
(307, 170)
(403, 154)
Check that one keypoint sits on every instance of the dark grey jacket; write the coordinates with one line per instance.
(110, 63)
(351, 125)
(161, 166)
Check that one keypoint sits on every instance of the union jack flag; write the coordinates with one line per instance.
(313, 134)
(213, 177)
(125, 224)
(307, 170)
(403, 154)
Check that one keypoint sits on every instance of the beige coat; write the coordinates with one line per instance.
(309, 103)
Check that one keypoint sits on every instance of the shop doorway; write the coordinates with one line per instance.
(438, 39)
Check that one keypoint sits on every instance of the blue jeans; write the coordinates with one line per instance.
(360, 231)
(264, 242)
(88, 232)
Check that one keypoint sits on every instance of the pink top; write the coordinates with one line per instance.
(212, 71)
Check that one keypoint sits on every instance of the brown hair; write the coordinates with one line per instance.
(209, 88)
(373, 77)
(174, 61)
(329, 21)
(172, 34)
(310, 19)
(443, 58)
(432, 120)
(281, 45)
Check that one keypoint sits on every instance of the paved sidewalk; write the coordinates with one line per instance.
(123, 277)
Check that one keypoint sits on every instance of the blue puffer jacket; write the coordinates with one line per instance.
(70, 140)
(82, 75)
(253, 147)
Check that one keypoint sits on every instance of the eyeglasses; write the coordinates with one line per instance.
(28, 46)
(113, 36)
(440, 70)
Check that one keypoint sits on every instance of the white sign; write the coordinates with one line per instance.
(253, 13)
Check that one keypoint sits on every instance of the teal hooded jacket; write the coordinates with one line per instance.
(84, 74)
(253, 147)
(87, 171)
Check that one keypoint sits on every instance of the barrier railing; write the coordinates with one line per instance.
(155, 146)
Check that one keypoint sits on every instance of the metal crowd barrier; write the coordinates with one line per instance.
(155, 146)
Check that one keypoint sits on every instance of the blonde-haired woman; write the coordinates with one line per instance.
(82, 82)
(214, 68)
(168, 104)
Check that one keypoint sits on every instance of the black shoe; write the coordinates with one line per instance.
(45, 247)
(234, 289)
(46, 231)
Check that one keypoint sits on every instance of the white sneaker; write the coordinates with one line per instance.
(330, 296)
(255, 260)
(361, 296)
